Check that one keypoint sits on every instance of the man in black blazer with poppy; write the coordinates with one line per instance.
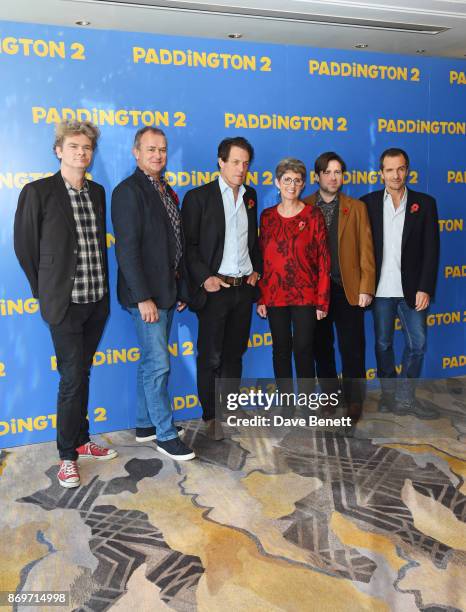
(60, 242)
(406, 242)
(223, 263)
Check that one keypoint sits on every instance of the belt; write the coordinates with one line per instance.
(234, 281)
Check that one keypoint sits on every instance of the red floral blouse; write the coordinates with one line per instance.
(296, 259)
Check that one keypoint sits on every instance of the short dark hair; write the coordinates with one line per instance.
(290, 164)
(148, 128)
(224, 147)
(322, 162)
(393, 152)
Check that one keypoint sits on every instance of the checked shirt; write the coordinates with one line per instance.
(89, 282)
(173, 213)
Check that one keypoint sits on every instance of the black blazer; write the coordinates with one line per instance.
(46, 244)
(145, 244)
(419, 246)
(204, 230)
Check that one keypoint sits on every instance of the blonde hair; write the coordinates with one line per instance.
(67, 128)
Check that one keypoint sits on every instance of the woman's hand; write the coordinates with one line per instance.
(321, 314)
(262, 310)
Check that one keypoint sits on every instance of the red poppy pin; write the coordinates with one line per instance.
(414, 208)
(251, 203)
(301, 225)
(345, 211)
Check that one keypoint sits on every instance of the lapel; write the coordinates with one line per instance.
(344, 211)
(64, 201)
(97, 206)
(377, 218)
(151, 195)
(218, 209)
(410, 219)
(96, 203)
(251, 214)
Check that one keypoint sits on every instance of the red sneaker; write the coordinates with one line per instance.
(91, 450)
(68, 475)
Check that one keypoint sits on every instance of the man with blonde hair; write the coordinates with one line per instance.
(59, 238)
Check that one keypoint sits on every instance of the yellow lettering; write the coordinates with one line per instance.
(266, 64)
(78, 51)
(100, 414)
(138, 53)
(188, 348)
(40, 423)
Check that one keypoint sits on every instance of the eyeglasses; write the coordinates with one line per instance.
(287, 180)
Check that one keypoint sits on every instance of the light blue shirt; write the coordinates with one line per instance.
(393, 223)
(236, 260)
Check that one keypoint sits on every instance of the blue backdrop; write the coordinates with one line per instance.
(286, 100)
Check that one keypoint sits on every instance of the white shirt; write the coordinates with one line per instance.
(393, 223)
(236, 260)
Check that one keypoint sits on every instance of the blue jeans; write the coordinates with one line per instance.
(413, 324)
(153, 403)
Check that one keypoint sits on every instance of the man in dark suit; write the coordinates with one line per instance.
(406, 242)
(59, 238)
(149, 250)
(223, 263)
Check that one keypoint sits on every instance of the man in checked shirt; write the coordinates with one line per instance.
(59, 238)
(149, 250)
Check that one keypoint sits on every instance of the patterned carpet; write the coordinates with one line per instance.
(304, 520)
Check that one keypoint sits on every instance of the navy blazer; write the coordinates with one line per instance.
(204, 230)
(46, 243)
(419, 244)
(145, 244)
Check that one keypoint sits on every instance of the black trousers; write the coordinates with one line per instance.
(349, 323)
(292, 329)
(75, 340)
(224, 325)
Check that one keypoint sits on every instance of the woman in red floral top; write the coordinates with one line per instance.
(295, 284)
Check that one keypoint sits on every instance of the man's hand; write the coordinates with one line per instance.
(422, 300)
(213, 283)
(253, 278)
(321, 314)
(364, 299)
(262, 310)
(148, 310)
(181, 306)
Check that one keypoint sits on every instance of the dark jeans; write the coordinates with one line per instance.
(222, 340)
(75, 340)
(413, 324)
(292, 329)
(349, 323)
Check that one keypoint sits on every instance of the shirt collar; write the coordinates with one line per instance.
(70, 187)
(154, 181)
(320, 200)
(224, 187)
(404, 198)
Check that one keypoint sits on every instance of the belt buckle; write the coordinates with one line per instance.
(238, 281)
